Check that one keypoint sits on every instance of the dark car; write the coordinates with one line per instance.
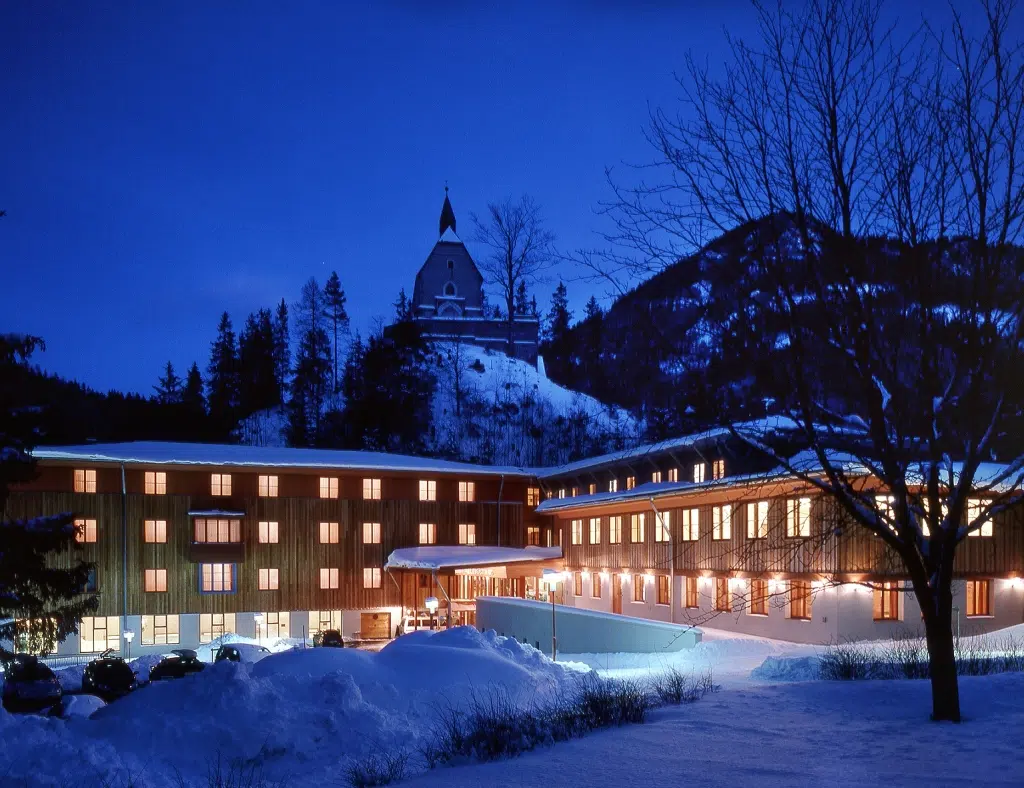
(108, 677)
(29, 685)
(176, 665)
(241, 652)
(330, 638)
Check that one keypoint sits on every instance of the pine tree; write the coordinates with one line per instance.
(257, 369)
(168, 388)
(403, 307)
(559, 316)
(222, 378)
(312, 373)
(592, 309)
(522, 304)
(192, 394)
(337, 318)
(282, 348)
(42, 577)
(533, 306)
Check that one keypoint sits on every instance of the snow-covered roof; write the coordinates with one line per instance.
(759, 428)
(224, 455)
(437, 557)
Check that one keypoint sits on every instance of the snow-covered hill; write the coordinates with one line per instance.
(492, 408)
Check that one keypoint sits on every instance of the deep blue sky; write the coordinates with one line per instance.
(162, 162)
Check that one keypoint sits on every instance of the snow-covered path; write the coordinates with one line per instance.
(789, 735)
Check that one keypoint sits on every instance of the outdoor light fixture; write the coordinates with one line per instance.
(129, 636)
(552, 578)
(431, 603)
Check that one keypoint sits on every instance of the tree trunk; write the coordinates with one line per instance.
(942, 661)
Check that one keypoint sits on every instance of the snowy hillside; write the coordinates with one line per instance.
(492, 408)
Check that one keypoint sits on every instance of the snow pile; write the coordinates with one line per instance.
(301, 711)
(788, 669)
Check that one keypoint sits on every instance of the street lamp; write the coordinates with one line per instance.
(258, 618)
(431, 603)
(129, 636)
(552, 578)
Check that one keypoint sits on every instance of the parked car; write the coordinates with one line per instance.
(330, 638)
(108, 677)
(29, 685)
(241, 652)
(176, 665)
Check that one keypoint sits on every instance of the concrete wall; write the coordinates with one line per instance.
(579, 631)
(837, 613)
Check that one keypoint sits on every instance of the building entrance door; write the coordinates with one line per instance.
(617, 593)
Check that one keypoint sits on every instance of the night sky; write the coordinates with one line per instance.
(163, 162)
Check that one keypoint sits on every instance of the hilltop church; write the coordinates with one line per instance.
(448, 298)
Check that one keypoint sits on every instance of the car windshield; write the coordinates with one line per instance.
(30, 671)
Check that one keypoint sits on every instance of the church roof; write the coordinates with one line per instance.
(447, 216)
(449, 236)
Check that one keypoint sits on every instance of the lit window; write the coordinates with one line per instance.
(428, 490)
(698, 473)
(323, 620)
(663, 527)
(577, 584)
(371, 577)
(268, 486)
(692, 596)
(663, 596)
(85, 531)
(328, 533)
(615, 530)
(800, 599)
(613, 485)
(268, 580)
(85, 481)
(721, 522)
(156, 580)
(275, 625)
(798, 517)
(98, 633)
(975, 509)
(595, 589)
(467, 533)
(371, 489)
(218, 531)
(328, 578)
(268, 532)
(428, 533)
(160, 630)
(220, 484)
(691, 525)
(630, 482)
(156, 484)
(636, 528)
(328, 486)
(575, 491)
(673, 474)
(757, 520)
(467, 492)
(595, 530)
(215, 625)
(532, 496)
(561, 492)
(577, 531)
(592, 488)
(533, 535)
(718, 469)
(217, 578)
(154, 531)
(886, 602)
(371, 533)
(723, 599)
(979, 598)
(656, 477)
(885, 506)
(758, 597)
(639, 588)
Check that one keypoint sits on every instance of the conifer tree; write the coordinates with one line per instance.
(192, 393)
(592, 309)
(42, 578)
(403, 307)
(559, 315)
(522, 304)
(337, 318)
(311, 375)
(282, 348)
(168, 388)
(222, 378)
(258, 389)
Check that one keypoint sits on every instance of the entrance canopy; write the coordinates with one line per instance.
(476, 560)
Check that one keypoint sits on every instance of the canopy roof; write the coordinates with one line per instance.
(436, 557)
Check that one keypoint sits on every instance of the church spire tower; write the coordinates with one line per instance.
(447, 215)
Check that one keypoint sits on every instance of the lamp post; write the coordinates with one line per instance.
(258, 618)
(553, 578)
(129, 636)
(431, 603)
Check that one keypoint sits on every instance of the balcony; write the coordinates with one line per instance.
(217, 552)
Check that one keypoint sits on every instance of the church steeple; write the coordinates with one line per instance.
(447, 215)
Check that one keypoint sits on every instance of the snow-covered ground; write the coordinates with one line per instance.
(302, 714)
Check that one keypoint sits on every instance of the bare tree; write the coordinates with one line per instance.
(519, 250)
(896, 356)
